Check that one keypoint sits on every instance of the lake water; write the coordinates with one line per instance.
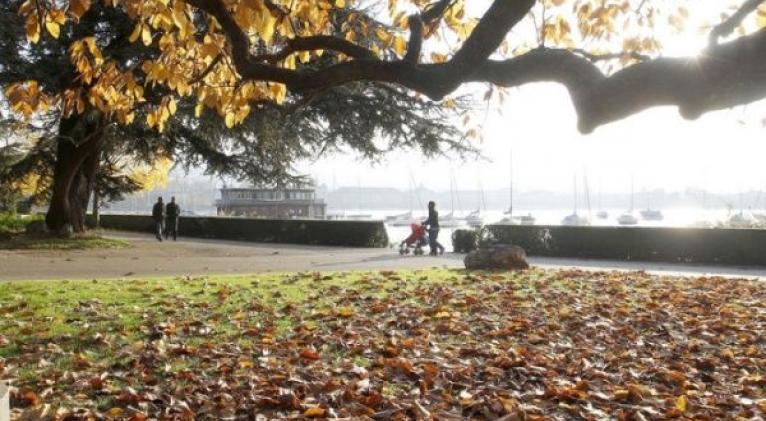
(672, 218)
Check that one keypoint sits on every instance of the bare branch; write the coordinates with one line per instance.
(207, 70)
(319, 42)
(728, 26)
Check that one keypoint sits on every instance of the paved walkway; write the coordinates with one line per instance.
(148, 257)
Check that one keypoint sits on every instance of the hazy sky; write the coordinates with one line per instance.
(723, 151)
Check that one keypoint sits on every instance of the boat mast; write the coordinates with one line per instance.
(631, 193)
(482, 203)
(452, 190)
(587, 191)
(574, 179)
(510, 188)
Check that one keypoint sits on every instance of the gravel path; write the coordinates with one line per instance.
(148, 257)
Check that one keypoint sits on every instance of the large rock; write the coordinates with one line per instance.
(36, 228)
(497, 257)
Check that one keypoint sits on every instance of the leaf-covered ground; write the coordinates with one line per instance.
(424, 344)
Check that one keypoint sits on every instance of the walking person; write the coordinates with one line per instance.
(172, 212)
(432, 223)
(158, 214)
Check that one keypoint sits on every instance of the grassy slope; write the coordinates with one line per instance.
(12, 237)
(563, 344)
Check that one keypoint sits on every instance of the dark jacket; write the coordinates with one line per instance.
(433, 219)
(158, 211)
(172, 210)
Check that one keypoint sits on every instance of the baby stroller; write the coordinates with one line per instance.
(415, 241)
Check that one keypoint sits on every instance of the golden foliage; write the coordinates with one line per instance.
(630, 25)
(154, 176)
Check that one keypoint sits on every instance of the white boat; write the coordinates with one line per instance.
(401, 220)
(652, 215)
(474, 219)
(627, 219)
(602, 214)
(359, 217)
(509, 219)
(450, 221)
(392, 218)
(575, 220)
(739, 220)
(702, 223)
(526, 219)
(343, 216)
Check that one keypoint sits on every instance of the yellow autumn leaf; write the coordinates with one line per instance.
(340, 3)
(681, 403)
(78, 7)
(136, 33)
(400, 45)
(115, 412)
(53, 28)
(229, 120)
(266, 26)
(146, 35)
(278, 92)
(315, 412)
(33, 31)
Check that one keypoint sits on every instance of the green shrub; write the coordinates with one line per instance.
(465, 241)
(14, 223)
(685, 245)
(311, 232)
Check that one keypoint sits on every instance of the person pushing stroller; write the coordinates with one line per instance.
(432, 223)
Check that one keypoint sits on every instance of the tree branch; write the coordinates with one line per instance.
(728, 26)
(207, 70)
(319, 42)
(725, 75)
(417, 23)
(611, 56)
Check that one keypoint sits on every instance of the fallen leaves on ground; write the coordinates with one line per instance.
(536, 345)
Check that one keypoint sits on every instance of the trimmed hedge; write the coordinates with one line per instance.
(690, 245)
(310, 232)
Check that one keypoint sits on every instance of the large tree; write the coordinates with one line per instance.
(236, 58)
(607, 53)
(86, 86)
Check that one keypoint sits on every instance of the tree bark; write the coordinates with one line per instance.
(78, 146)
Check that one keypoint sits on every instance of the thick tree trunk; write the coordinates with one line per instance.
(77, 151)
(96, 209)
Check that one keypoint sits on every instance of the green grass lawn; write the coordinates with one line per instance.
(12, 237)
(409, 344)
